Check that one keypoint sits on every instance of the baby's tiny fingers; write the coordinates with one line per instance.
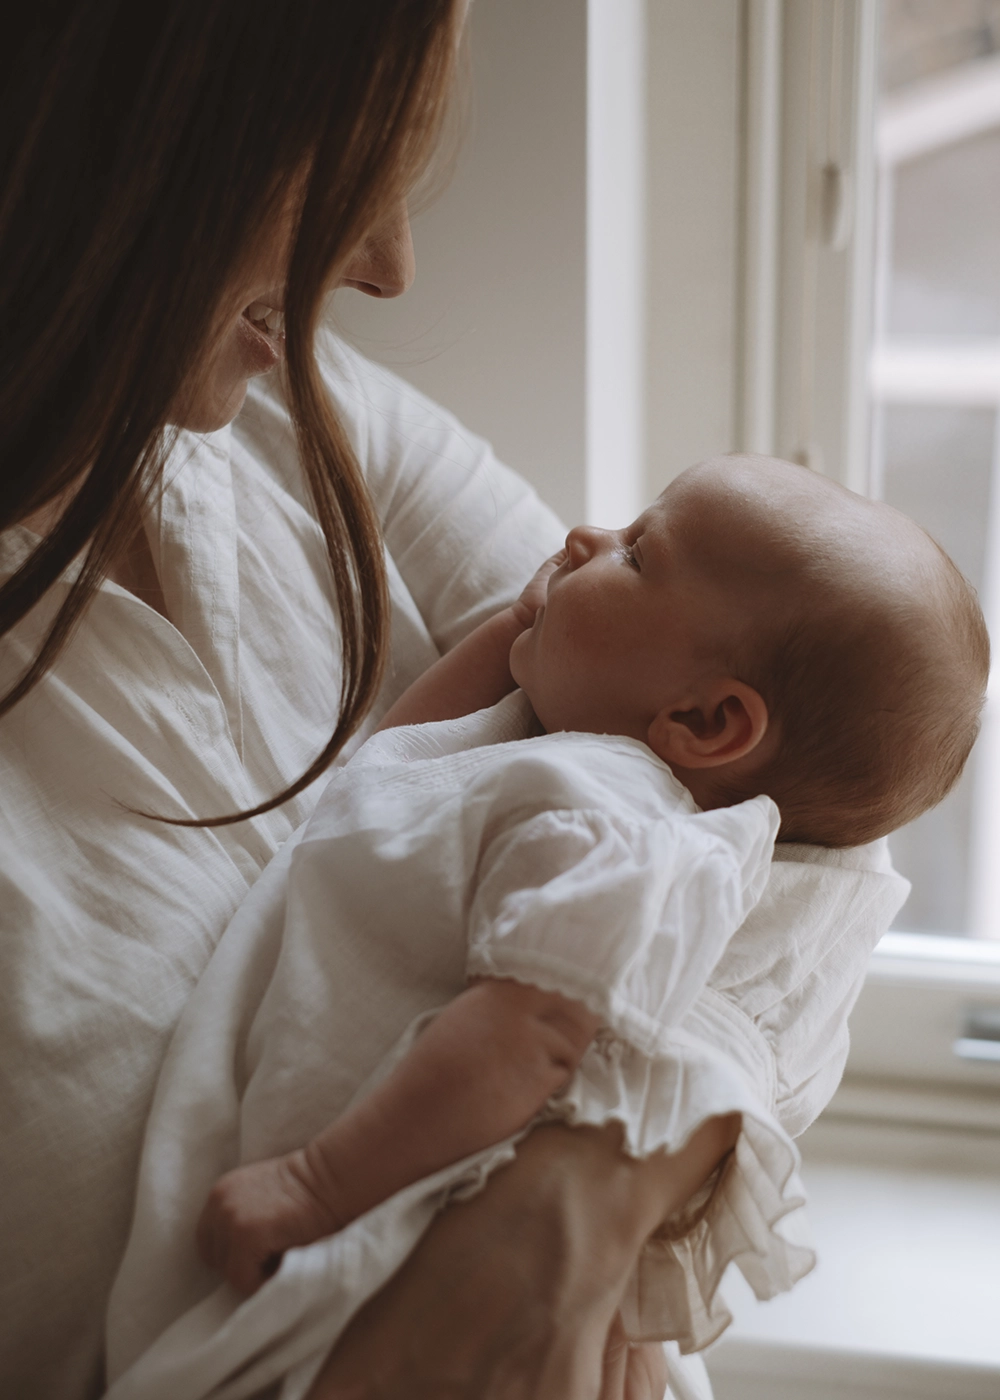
(251, 1262)
(541, 575)
(243, 1271)
(206, 1238)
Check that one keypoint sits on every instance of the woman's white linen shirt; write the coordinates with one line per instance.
(108, 918)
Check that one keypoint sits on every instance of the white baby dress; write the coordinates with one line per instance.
(575, 862)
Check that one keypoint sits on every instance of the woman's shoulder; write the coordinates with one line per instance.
(416, 456)
(384, 416)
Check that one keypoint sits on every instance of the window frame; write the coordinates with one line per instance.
(806, 280)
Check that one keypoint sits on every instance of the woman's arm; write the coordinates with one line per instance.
(477, 1074)
(516, 1292)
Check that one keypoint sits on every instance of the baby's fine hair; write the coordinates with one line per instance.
(877, 702)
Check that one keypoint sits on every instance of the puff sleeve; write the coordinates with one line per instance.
(628, 917)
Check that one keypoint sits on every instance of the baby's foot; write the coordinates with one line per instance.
(255, 1213)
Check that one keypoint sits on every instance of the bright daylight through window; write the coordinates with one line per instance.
(935, 385)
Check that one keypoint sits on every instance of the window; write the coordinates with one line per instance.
(885, 257)
(935, 381)
(861, 283)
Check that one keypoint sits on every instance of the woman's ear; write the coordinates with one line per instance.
(723, 721)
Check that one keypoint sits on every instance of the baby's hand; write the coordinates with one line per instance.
(533, 595)
(255, 1213)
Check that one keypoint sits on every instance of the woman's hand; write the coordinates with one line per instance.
(514, 1295)
(534, 591)
(631, 1371)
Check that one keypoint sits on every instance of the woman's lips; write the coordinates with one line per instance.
(265, 317)
(262, 344)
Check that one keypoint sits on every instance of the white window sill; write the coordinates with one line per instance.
(905, 1300)
(754, 1370)
(922, 999)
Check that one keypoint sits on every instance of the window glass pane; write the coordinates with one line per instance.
(937, 462)
(921, 37)
(937, 467)
(946, 217)
(936, 387)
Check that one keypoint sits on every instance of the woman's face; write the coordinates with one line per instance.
(253, 339)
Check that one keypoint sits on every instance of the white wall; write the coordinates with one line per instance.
(495, 326)
(567, 283)
(694, 232)
(617, 282)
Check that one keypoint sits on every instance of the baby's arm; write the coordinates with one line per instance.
(480, 1071)
(476, 672)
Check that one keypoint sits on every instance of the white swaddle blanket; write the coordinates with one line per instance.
(575, 862)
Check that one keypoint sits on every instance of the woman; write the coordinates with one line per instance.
(194, 627)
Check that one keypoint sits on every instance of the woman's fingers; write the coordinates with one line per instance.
(646, 1376)
(631, 1371)
(615, 1362)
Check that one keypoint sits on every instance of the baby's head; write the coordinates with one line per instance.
(765, 630)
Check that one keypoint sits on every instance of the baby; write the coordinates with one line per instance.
(770, 643)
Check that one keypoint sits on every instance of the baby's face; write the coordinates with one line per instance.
(638, 620)
(632, 619)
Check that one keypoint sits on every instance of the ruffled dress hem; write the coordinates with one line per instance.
(751, 1212)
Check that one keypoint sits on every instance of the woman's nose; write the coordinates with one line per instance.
(583, 542)
(384, 265)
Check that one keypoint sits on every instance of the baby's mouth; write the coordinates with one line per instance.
(266, 319)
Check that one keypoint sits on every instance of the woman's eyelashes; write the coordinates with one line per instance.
(630, 556)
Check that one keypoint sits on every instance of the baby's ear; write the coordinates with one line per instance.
(720, 722)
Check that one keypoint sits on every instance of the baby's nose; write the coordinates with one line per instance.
(583, 542)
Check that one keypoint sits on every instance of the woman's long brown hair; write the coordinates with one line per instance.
(143, 148)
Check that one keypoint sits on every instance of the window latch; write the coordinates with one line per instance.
(980, 1038)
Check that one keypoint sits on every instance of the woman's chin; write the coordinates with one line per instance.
(217, 394)
(211, 409)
